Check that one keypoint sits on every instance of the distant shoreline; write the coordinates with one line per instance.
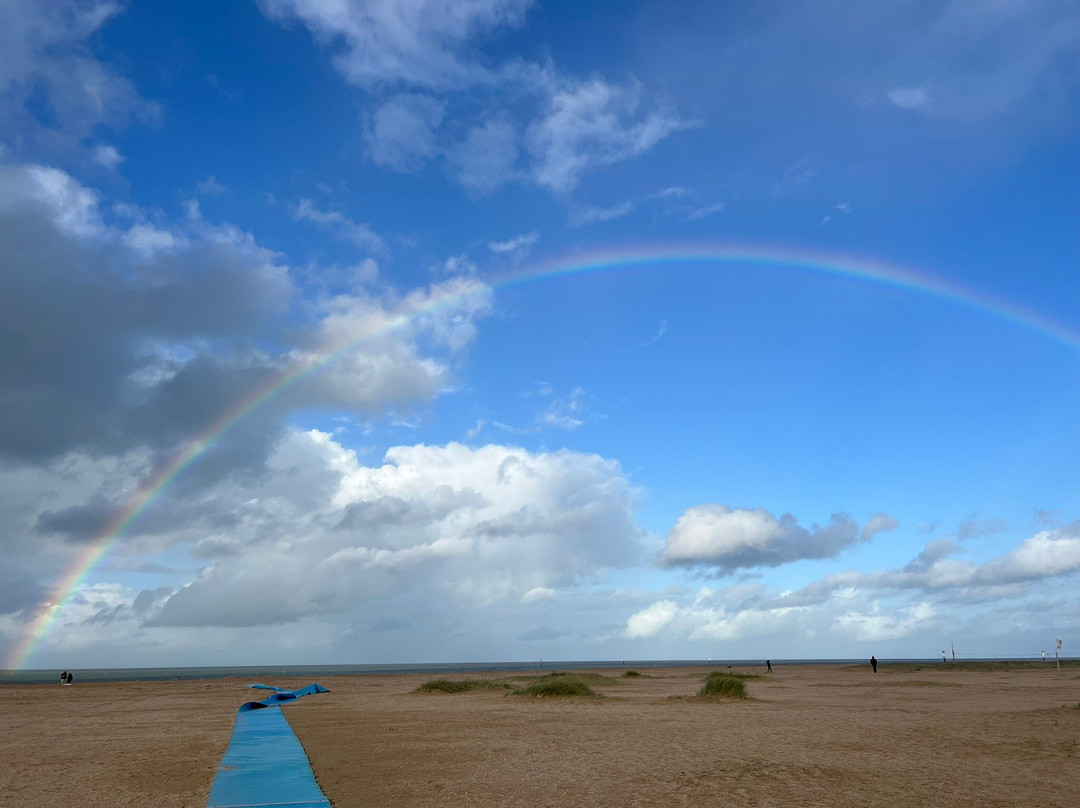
(91, 675)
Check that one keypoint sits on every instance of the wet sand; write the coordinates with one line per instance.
(809, 735)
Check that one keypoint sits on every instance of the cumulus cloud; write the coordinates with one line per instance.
(878, 523)
(876, 606)
(734, 538)
(652, 620)
(119, 342)
(1047, 554)
(478, 525)
(107, 156)
(402, 131)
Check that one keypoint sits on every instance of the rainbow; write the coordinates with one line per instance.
(586, 262)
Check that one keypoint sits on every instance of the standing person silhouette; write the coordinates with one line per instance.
(768, 664)
(873, 663)
(63, 678)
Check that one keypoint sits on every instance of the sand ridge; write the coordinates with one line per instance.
(809, 735)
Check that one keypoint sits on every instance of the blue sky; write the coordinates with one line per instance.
(649, 461)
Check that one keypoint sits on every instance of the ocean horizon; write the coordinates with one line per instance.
(84, 675)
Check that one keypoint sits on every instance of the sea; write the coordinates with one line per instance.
(319, 672)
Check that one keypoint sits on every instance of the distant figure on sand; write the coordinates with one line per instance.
(873, 663)
(768, 664)
(63, 678)
(70, 677)
(943, 659)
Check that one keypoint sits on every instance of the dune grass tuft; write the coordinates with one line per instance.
(459, 686)
(632, 674)
(556, 685)
(725, 685)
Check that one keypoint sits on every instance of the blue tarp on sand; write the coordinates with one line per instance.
(265, 764)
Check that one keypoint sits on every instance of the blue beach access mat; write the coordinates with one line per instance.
(265, 765)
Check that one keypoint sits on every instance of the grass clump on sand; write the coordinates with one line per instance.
(725, 685)
(632, 674)
(459, 686)
(556, 685)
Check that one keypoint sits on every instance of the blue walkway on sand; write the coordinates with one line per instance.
(265, 764)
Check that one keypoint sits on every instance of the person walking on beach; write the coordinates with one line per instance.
(768, 664)
(873, 663)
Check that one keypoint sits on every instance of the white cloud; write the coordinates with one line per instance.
(539, 594)
(911, 98)
(878, 523)
(733, 538)
(107, 156)
(72, 208)
(487, 157)
(522, 242)
(879, 627)
(479, 525)
(564, 412)
(1046, 554)
(209, 186)
(591, 124)
(360, 234)
(582, 217)
(707, 210)
(402, 131)
(146, 240)
(416, 42)
(428, 45)
(375, 340)
(44, 59)
(651, 621)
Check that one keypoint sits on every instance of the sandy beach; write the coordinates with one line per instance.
(809, 735)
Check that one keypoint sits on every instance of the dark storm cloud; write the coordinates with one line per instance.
(83, 325)
(16, 595)
(77, 524)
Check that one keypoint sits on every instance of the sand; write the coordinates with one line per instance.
(808, 736)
